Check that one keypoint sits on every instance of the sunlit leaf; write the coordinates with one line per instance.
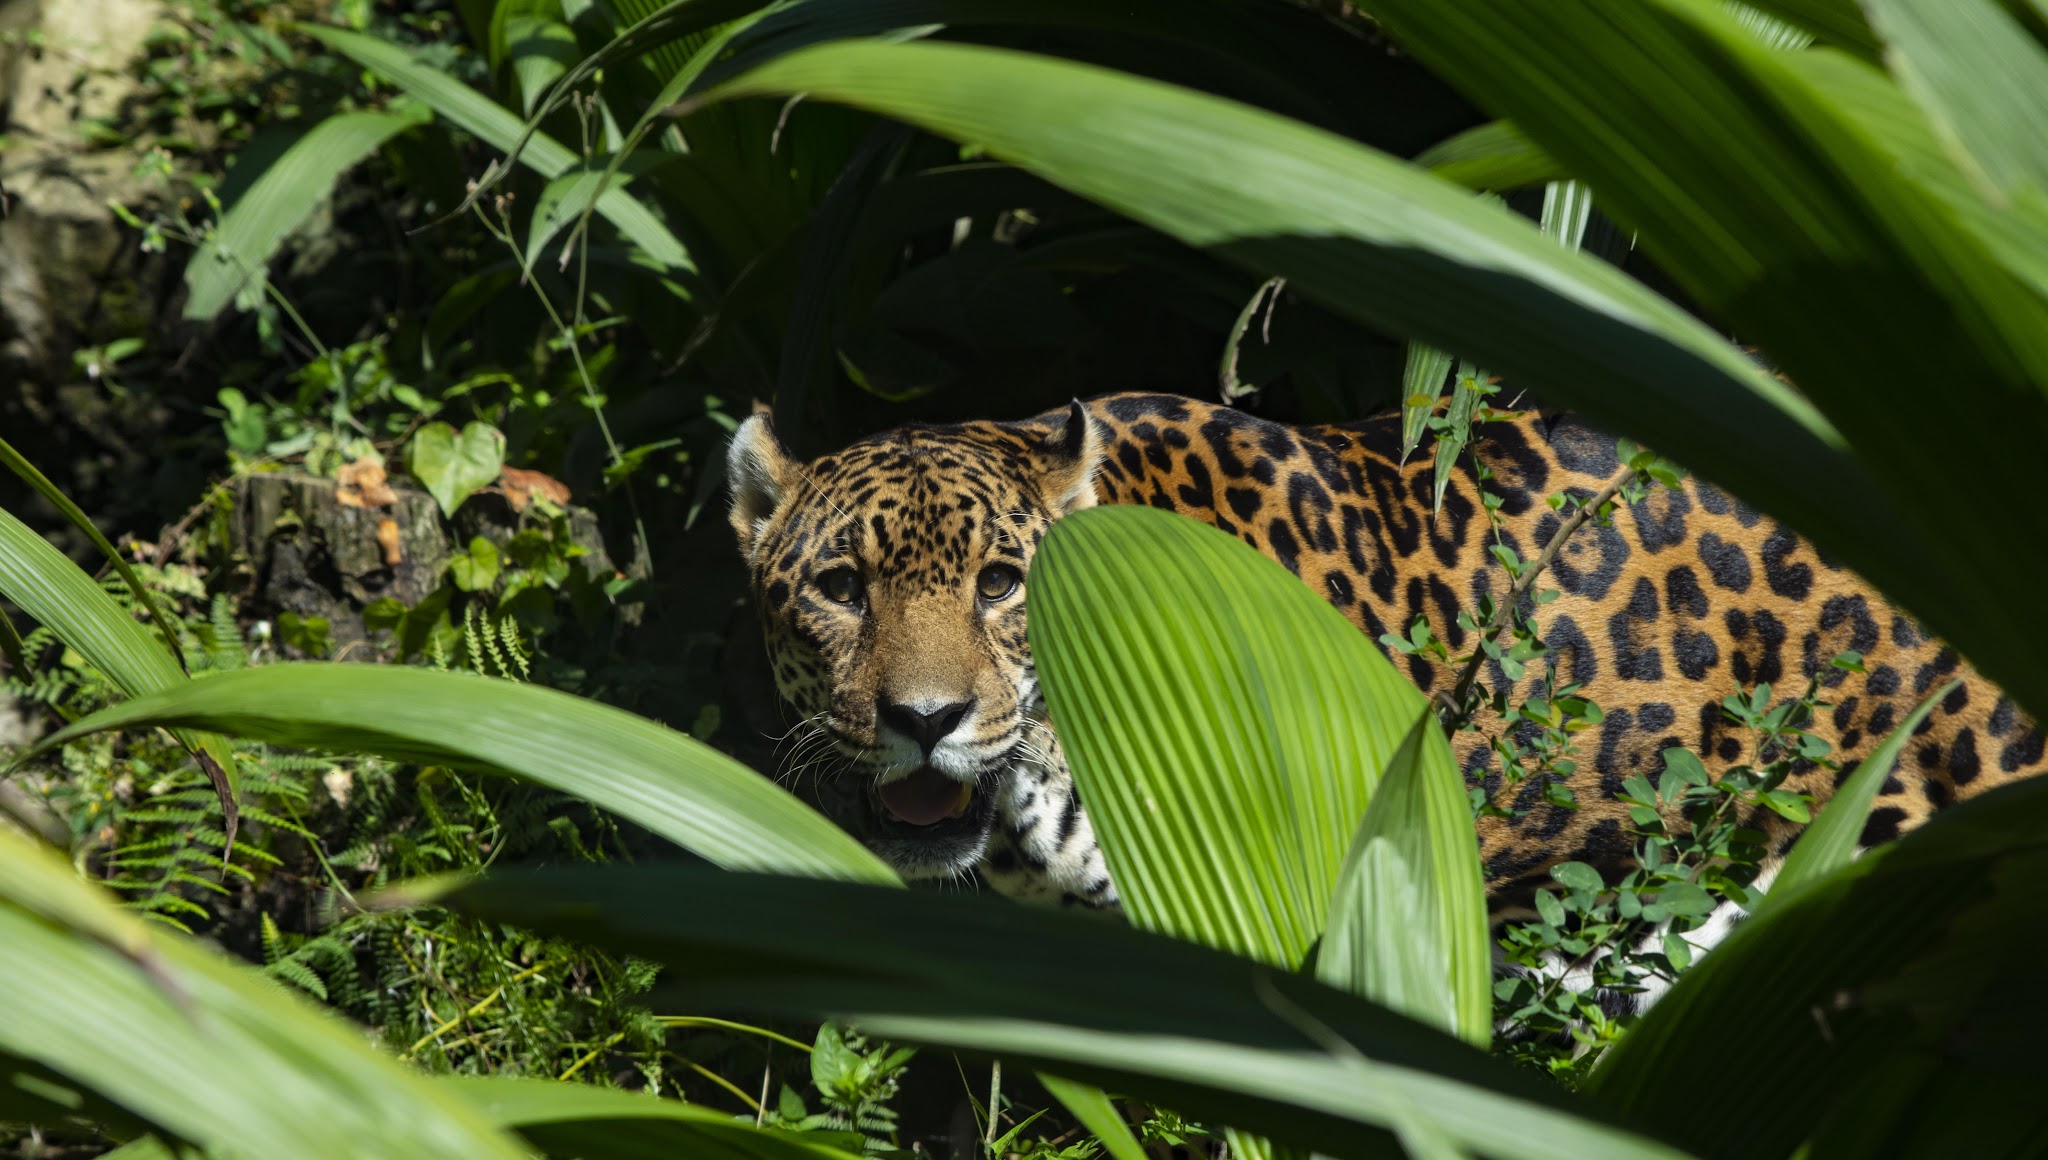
(1408, 921)
(1167, 1021)
(1225, 724)
(673, 785)
(200, 1048)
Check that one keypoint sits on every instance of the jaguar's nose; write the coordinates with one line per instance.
(924, 722)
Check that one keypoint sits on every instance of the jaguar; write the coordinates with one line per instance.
(891, 581)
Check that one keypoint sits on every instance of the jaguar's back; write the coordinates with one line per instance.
(1687, 597)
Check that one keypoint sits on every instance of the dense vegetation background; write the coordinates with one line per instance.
(410, 332)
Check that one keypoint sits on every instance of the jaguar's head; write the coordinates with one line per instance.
(891, 579)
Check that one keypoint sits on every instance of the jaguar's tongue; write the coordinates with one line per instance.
(926, 798)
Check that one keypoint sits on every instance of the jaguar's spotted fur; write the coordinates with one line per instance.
(1687, 596)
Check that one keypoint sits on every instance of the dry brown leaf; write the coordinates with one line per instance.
(522, 486)
(361, 485)
(387, 537)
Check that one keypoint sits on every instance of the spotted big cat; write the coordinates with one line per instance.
(892, 579)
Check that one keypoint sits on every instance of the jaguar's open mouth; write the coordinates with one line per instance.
(928, 822)
(925, 798)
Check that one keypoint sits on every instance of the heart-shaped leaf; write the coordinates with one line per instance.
(478, 569)
(455, 465)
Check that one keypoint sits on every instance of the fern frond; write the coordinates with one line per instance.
(298, 975)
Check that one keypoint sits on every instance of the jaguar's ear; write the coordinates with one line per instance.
(760, 472)
(1073, 453)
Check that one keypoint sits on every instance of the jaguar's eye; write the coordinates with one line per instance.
(841, 585)
(997, 581)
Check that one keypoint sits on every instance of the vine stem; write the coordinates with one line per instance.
(1458, 709)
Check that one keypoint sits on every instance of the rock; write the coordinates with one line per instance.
(319, 557)
(59, 243)
(72, 275)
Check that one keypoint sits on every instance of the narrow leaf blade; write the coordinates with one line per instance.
(1408, 921)
(501, 129)
(203, 1049)
(1830, 842)
(1164, 1020)
(239, 249)
(672, 784)
(1097, 1114)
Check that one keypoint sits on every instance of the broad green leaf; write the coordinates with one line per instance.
(1830, 842)
(1260, 1049)
(2016, 232)
(1493, 156)
(1982, 81)
(477, 569)
(1375, 239)
(675, 786)
(1092, 1108)
(1785, 214)
(501, 129)
(236, 255)
(1840, 23)
(200, 1048)
(46, 585)
(1885, 993)
(1767, 28)
(147, 1148)
(540, 48)
(1224, 723)
(1408, 920)
(455, 465)
(569, 197)
(594, 1123)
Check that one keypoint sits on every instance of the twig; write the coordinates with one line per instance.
(1459, 708)
(995, 1094)
(1268, 293)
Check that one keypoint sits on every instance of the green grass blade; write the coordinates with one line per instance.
(655, 777)
(1163, 1020)
(1422, 384)
(41, 485)
(200, 1048)
(1457, 432)
(1888, 991)
(1829, 843)
(1567, 206)
(59, 595)
(1982, 81)
(238, 251)
(10, 648)
(1408, 919)
(501, 129)
(47, 586)
(1090, 1106)
(1225, 724)
(594, 1123)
